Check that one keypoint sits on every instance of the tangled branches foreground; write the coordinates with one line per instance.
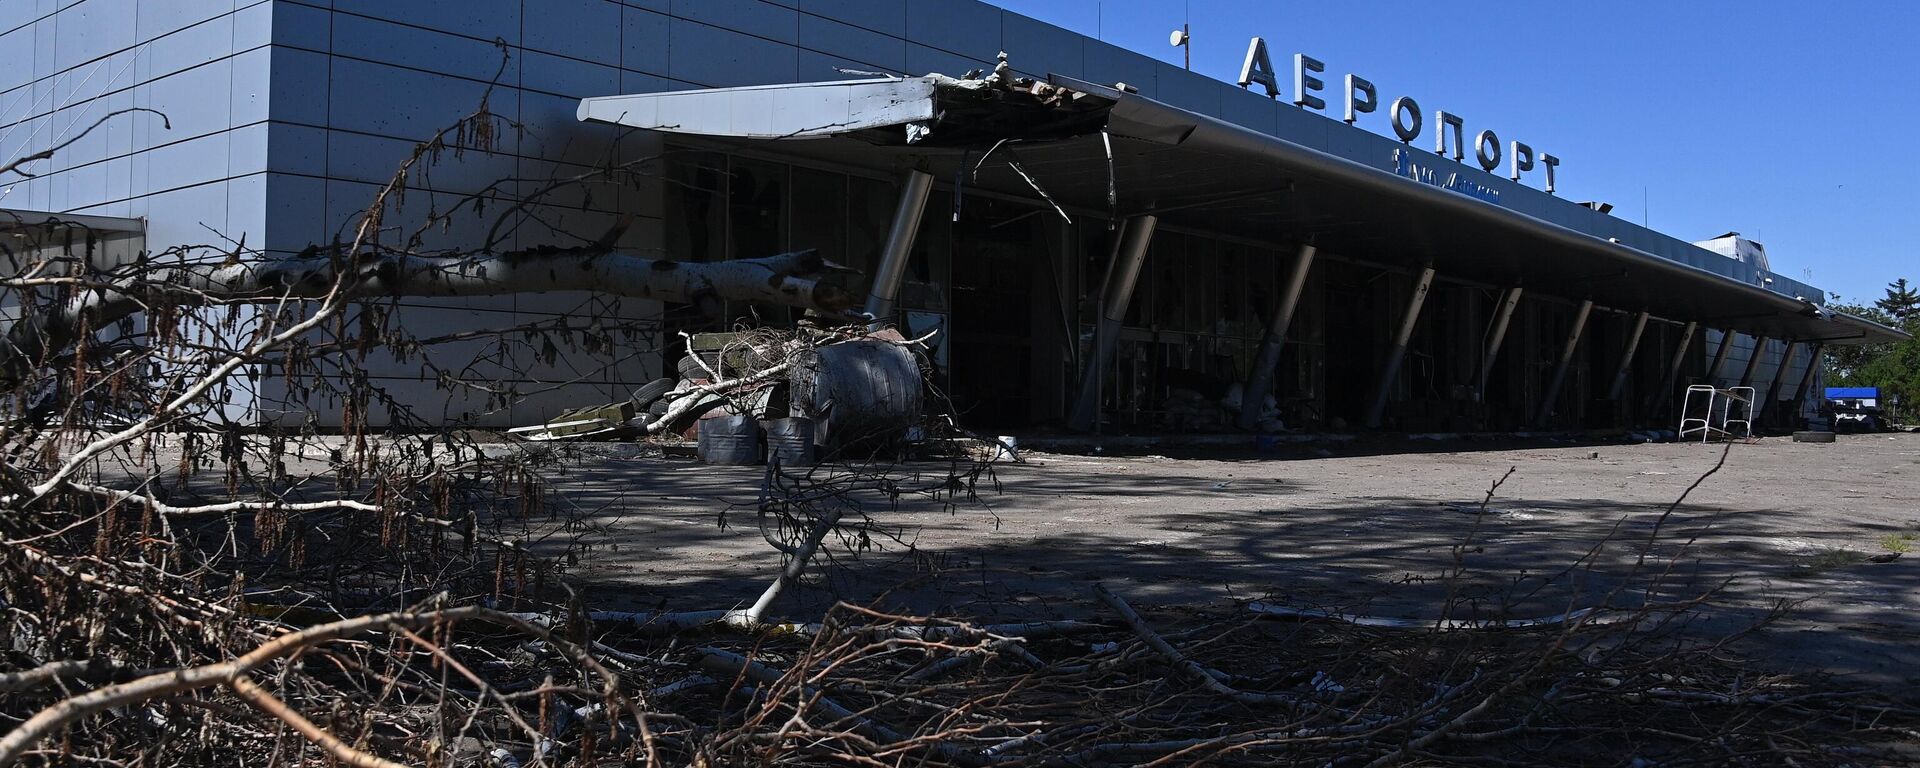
(182, 585)
(121, 660)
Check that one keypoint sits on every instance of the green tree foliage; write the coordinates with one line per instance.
(1902, 301)
(1894, 368)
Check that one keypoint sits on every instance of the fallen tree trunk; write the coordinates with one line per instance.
(781, 279)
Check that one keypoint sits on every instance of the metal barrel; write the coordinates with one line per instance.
(730, 440)
(790, 441)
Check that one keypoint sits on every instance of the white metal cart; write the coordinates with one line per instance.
(1717, 413)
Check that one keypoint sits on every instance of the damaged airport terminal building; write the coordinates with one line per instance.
(1102, 241)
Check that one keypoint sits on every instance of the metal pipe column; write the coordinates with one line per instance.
(1547, 401)
(914, 188)
(1753, 360)
(1115, 292)
(1665, 392)
(1260, 379)
(1719, 358)
(1509, 299)
(1626, 356)
(1390, 369)
(1773, 387)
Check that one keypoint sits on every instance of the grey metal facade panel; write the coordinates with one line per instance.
(378, 40)
(1189, 91)
(923, 59)
(859, 46)
(203, 41)
(196, 102)
(770, 21)
(481, 19)
(1038, 48)
(582, 29)
(300, 84)
(887, 17)
(251, 86)
(645, 45)
(562, 76)
(302, 25)
(1109, 64)
(1259, 114)
(248, 147)
(717, 57)
(294, 211)
(964, 27)
(158, 19)
(89, 30)
(16, 62)
(194, 161)
(431, 103)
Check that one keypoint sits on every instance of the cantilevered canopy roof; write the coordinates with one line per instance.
(1091, 149)
(20, 221)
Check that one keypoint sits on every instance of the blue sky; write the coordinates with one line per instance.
(1788, 122)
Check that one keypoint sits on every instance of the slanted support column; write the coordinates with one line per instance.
(1260, 379)
(1720, 358)
(1115, 292)
(914, 188)
(1779, 374)
(1502, 317)
(1626, 356)
(1664, 394)
(1390, 368)
(1552, 396)
(1814, 361)
(1753, 360)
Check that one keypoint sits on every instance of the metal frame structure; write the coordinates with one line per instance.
(1720, 401)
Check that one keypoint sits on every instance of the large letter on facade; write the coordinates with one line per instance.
(1361, 97)
(1444, 122)
(1305, 84)
(1258, 68)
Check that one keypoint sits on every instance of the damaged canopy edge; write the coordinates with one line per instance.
(797, 111)
(938, 111)
(935, 111)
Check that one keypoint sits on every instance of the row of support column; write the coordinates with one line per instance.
(1502, 317)
(1390, 368)
(1806, 377)
(1116, 291)
(1773, 387)
(1753, 360)
(1681, 352)
(1625, 369)
(915, 187)
(1260, 380)
(1789, 357)
(1548, 400)
(1129, 256)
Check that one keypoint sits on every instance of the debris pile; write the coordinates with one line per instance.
(856, 389)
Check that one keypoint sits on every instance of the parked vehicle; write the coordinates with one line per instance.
(1857, 409)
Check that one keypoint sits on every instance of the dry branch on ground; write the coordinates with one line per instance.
(180, 588)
